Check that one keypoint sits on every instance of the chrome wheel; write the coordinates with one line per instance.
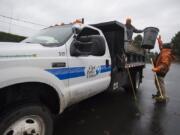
(28, 125)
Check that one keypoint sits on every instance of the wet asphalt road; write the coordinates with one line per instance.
(117, 114)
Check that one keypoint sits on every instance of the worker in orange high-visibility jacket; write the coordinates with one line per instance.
(161, 67)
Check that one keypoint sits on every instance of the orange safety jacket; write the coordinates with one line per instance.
(163, 61)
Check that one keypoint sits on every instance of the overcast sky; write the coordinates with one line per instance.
(164, 14)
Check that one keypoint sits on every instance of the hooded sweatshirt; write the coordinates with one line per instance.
(130, 29)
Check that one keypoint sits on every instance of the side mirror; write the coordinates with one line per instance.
(88, 45)
(79, 48)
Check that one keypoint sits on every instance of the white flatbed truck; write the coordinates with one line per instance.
(60, 66)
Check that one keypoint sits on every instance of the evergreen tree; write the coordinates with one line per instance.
(176, 41)
(138, 40)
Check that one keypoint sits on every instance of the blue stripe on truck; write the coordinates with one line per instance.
(104, 68)
(73, 72)
(66, 73)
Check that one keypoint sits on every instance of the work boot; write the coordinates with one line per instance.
(155, 95)
(160, 99)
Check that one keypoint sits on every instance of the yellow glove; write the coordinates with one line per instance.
(156, 69)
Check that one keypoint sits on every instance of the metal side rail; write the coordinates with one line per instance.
(135, 64)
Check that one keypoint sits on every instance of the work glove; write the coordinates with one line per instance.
(160, 42)
(156, 69)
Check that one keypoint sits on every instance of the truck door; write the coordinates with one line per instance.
(89, 65)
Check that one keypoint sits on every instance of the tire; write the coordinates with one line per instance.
(27, 119)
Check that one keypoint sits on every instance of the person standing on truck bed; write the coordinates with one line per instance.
(161, 67)
(130, 29)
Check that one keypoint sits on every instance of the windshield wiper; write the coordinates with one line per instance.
(50, 44)
(28, 42)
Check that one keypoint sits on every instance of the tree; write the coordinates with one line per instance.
(150, 55)
(176, 41)
(7, 37)
(138, 40)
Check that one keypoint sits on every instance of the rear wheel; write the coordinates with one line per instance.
(26, 120)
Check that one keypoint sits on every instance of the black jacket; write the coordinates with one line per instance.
(130, 29)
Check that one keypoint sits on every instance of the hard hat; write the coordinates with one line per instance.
(77, 21)
(128, 19)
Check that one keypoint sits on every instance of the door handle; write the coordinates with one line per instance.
(107, 63)
(58, 64)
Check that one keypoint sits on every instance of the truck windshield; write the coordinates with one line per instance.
(56, 35)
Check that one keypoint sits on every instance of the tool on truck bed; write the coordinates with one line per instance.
(160, 91)
(134, 94)
(139, 111)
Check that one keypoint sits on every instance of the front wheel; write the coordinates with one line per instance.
(26, 120)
